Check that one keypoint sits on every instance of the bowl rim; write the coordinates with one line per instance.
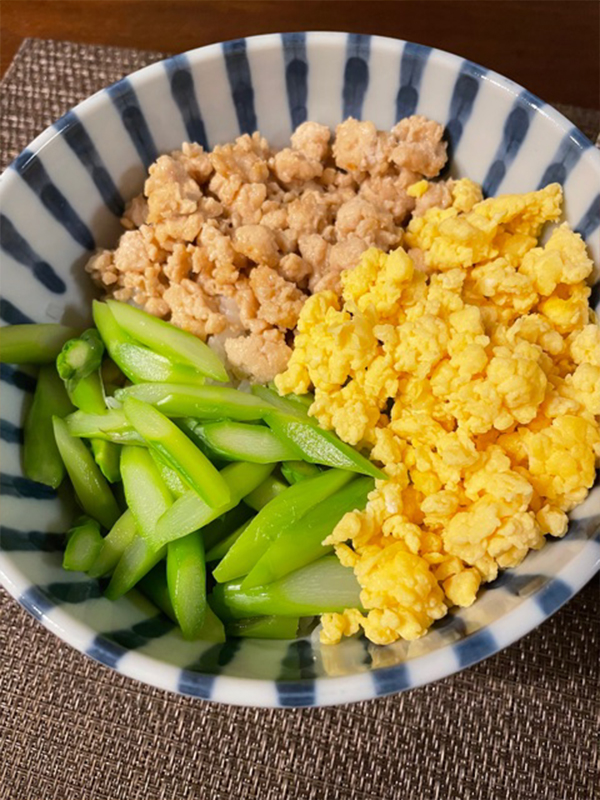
(255, 692)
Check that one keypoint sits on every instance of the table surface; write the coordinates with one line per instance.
(551, 48)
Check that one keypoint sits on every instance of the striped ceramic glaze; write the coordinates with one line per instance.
(63, 196)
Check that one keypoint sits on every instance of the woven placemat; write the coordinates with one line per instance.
(521, 726)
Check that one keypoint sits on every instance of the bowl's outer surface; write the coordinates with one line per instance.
(63, 196)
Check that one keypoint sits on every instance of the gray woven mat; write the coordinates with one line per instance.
(521, 726)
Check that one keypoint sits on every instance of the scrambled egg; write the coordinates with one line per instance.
(475, 381)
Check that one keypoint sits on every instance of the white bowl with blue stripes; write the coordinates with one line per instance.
(63, 196)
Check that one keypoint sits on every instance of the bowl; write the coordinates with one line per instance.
(63, 196)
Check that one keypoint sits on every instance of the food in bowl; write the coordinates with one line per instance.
(228, 244)
(459, 353)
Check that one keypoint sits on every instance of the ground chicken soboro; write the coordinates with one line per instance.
(229, 244)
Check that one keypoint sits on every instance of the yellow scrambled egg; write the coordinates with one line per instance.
(475, 381)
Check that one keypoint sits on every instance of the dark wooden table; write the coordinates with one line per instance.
(552, 47)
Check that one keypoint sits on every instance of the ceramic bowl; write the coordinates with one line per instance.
(62, 197)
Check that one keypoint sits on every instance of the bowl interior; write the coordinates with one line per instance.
(63, 196)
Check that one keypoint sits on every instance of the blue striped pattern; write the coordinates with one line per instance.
(16, 246)
(296, 75)
(33, 172)
(11, 433)
(240, 80)
(184, 93)
(296, 675)
(356, 75)
(12, 315)
(462, 101)
(412, 67)
(515, 130)
(17, 486)
(570, 150)
(109, 648)
(17, 378)
(81, 143)
(590, 220)
(127, 104)
(12, 540)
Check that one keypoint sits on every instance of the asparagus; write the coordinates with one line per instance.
(238, 441)
(282, 404)
(282, 511)
(112, 426)
(186, 579)
(34, 343)
(321, 587)
(301, 543)
(78, 364)
(172, 342)
(263, 494)
(174, 447)
(264, 628)
(79, 358)
(41, 458)
(225, 525)
(137, 560)
(137, 362)
(318, 446)
(114, 544)
(296, 471)
(176, 486)
(145, 491)
(154, 586)
(203, 402)
(83, 546)
(219, 549)
(90, 485)
(190, 512)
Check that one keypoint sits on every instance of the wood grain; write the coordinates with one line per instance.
(551, 47)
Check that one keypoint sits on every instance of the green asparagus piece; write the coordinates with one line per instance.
(137, 560)
(83, 546)
(264, 628)
(114, 544)
(78, 364)
(79, 358)
(218, 551)
(176, 486)
(190, 512)
(296, 471)
(239, 441)
(202, 402)
(186, 578)
(225, 525)
(321, 587)
(282, 511)
(41, 459)
(305, 400)
(263, 494)
(137, 362)
(318, 446)
(108, 457)
(256, 500)
(281, 404)
(170, 341)
(154, 586)
(112, 426)
(90, 485)
(176, 450)
(33, 344)
(145, 491)
(301, 543)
